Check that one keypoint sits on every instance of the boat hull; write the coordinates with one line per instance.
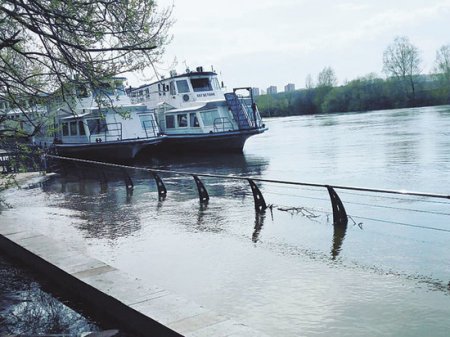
(230, 141)
(115, 151)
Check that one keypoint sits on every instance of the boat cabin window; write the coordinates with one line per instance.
(215, 83)
(201, 84)
(172, 88)
(182, 120)
(208, 117)
(97, 126)
(65, 129)
(163, 88)
(193, 120)
(81, 128)
(182, 86)
(170, 122)
(73, 128)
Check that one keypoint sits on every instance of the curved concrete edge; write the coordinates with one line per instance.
(141, 308)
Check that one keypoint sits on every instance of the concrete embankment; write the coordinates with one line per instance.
(142, 308)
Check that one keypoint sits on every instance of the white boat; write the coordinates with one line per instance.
(196, 115)
(101, 124)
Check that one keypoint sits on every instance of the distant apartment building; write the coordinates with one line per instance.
(271, 90)
(255, 92)
(290, 87)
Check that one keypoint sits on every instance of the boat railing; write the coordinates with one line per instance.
(251, 112)
(109, 132)
(244, 110)
(246, 107)
(222, 124)
(151, 128)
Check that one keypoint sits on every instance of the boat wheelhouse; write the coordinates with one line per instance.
(196, 115)
(101, 124)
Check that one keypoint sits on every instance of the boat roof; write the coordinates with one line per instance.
(75, 116)
(189, 74)
(191, 108)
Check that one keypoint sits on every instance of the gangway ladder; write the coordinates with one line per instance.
(239, 113)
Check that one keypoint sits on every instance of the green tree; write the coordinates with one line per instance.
(326, 80)
(50, 47)
(401, 60)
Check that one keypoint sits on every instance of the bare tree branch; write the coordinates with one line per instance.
(48, 47)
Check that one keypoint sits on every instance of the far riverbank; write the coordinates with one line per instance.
(363, 94)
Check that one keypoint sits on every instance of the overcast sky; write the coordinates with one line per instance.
(260, 43)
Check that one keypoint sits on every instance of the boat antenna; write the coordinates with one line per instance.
(187, 67)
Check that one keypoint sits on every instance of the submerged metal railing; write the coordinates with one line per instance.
(340, 217)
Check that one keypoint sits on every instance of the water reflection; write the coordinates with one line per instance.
(201, 225)
(26, 309)
(40, 313)
(105, 197)
(338, 238)
(259, 223)
(231, 163)
(102, 207)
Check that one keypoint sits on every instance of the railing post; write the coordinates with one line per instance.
(80, 171)
(103, 181)
(260, 203)
(162, 191)
(340, 217)
(128, 182)
(202, 192)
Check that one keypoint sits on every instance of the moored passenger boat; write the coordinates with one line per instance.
(110, 129)
(196, 115)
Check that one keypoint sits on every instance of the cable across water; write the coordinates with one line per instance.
(284, 182)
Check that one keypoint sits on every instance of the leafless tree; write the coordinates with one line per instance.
(309, 84)
(442, 63)
(326, 78)
(401, 60)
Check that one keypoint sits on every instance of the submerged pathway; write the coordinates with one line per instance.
(138, 306)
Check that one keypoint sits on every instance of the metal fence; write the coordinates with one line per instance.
(340, 217)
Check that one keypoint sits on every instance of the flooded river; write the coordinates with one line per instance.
(287, 272)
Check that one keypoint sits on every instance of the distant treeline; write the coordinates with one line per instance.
(362, 94)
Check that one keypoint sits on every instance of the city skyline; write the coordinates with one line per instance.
(264, 43)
